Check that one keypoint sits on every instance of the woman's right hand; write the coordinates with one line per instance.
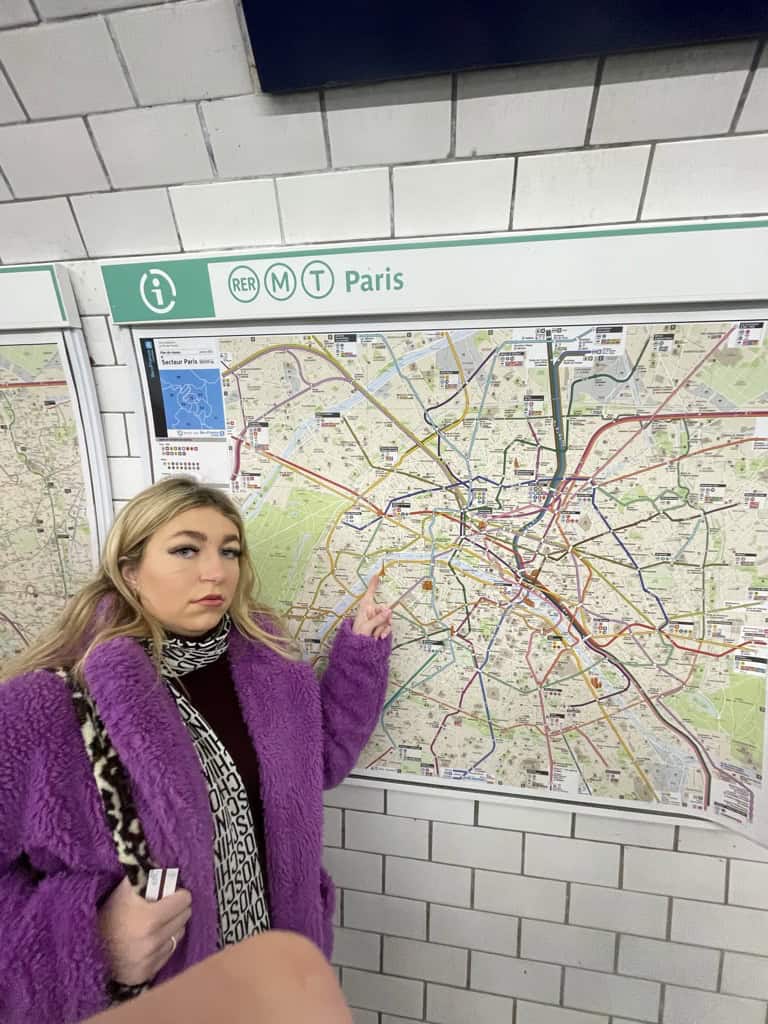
(137, 933)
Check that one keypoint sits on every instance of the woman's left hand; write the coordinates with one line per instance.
(372, 619)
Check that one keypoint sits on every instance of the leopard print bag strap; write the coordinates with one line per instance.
(120, 812)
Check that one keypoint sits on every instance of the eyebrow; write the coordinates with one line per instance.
(203, 537)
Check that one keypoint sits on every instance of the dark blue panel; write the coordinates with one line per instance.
(305, 44)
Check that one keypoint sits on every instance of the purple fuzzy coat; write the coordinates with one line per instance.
(57, 858)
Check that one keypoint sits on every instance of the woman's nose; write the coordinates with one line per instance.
(212, 569)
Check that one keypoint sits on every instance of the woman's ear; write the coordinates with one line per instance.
(130, 575)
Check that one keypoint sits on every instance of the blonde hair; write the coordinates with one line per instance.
(106, 607)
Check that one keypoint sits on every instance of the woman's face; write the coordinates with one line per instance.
(189, 572)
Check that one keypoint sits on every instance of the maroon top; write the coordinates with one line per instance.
(212, 691)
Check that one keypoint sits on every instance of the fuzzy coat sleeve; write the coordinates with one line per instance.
(352, 691)
(52, 965)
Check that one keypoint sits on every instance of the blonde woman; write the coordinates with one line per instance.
(166, 722)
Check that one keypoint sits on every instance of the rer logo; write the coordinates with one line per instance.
(157, 290)
(243, 284)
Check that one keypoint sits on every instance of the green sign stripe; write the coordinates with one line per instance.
(551, 236)
(38, 268)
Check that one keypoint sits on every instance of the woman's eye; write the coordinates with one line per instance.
(185, 552)
(231, 553)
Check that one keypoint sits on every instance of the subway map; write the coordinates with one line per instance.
(571, 524)
(46, 538)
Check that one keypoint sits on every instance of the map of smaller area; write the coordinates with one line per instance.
(192, 401)
(45, 540)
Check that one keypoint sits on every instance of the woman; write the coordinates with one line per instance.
(165, 722)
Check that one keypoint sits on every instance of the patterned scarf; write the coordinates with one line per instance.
(184, 654)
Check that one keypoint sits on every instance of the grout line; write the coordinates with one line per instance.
(662, 1001)
(742, 100)
(472, 876)
(33, 5)
(573, 826)
(616, 950)
(125, 433)
(676, 839)
(430, 838)
(561, 997)
(15, 91)
(523, 837)
(513, 194)
(6, 182)
(282, 241)
(123, 62)
(206, 137)
(454, 111)
(668, 934)
(391, 202)
(568, 886)
(726, 897)
(476, 813)
(99, 157)
(621, 867)
(593, 103)
(720, 969)
(646, 181)
(77, 225)
(519, 936)
(343, 828)
(326, 130)
(173, 217)
(469, 970)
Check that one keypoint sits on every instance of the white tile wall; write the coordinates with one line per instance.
(364, 1017)
(527, 897)
(356, 949)
(668, 93)
(586, 187)
(88, 286)
(518, 109)
(480, 847)
(50, 158)
(389, 915)
(688, 1006)
(128, 477)
(430, 198)
(155, 146)
(390, 122)
(719, 842)
(10, 109)
(619, 911)
(260, 134)
(734, 928)
(346, 204)
(38, 231)
(748, 884)
(634, 832)
(98, 340)
(533, 818)
(353, 870)
(227, 214)
(67, 8)
(380, 992)
(574, 859)
(457, 1006)
(608, 993)
(669, 961)
(381, 833)
(491, 933)
(427, 960)
(16, 12)
(565, 944)
(5, 192)
(707, 177)
(331, 826)
(524, 979)
(53, 76)
(126, 223)
(745, 976)
(436, 883)
(535, 1013)
(431, 805)
(115, 437)
(675, 874)
(357, 798)
(113, 388)
(135, 439)
(183, 53)
(754, 116)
